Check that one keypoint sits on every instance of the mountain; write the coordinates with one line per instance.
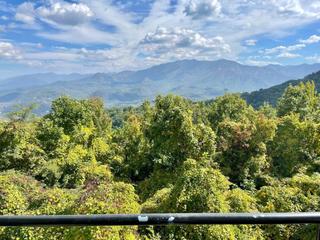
(272, 94)
(194, 79)
(34, 80)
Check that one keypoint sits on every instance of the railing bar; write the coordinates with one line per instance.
(161, 219)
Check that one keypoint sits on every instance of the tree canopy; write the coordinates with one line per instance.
(173, 155)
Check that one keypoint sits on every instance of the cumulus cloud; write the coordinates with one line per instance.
(306, 8)
(202, 8)
(183, 38)
(182, 43)
(55, 12)
(288, 6)
(205, 29)
(66, 13)
(25, 13)
(311, 39)
(8, 51)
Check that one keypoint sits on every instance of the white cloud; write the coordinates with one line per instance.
(182, 43)
(284, 49)
(198, 9)
(296, 47)
(31, 45)
(25, 13)
(251, 42)
(288, 55)
(242, 19)
(260, 63)
(288, 6)
(315, 58)
(84, 34)
(204, 29)
(4, 18)
(305, 8)
(311, 39)
(123, 28)
(62, 59)
(287, 51)
(66, 13)
(8, 51)
(127, 26)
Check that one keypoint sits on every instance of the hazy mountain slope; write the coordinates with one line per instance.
(197, 80)
(272, 94)
(223, 74)
(40, 79)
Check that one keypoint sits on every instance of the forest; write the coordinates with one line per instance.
(170, 155)
(272, 94)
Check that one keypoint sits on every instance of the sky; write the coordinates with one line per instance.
(87, 36)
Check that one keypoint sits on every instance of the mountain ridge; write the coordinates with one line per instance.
(272, 94)
(197, 80)
(38, 79)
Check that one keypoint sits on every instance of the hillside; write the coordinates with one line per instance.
(197, 80)
(34, 80)
(272, 94)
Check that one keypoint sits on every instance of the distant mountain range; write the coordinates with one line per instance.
(272, 94)
(194, 79)
(35, 80)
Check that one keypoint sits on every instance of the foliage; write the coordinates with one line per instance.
(105, 197)
(171, 156)
(301, 99)
(174, 136)
(243, 152)
(271, 95)
(227, 107)
(296, 146)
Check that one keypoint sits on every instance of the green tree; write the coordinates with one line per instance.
(22, 113)
(298, 194)
(301, 99)
(23, 195)
(69, 113)
(296, 146)
(132, 149)
(197, 189)
(107, 198)
(228, 107)
(242, 149)
(19, 148)
(244, 202)
(52, 139)
(174, 136)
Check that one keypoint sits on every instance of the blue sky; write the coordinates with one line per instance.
(88, 36)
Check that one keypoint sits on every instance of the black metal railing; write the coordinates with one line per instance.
(161, 219)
